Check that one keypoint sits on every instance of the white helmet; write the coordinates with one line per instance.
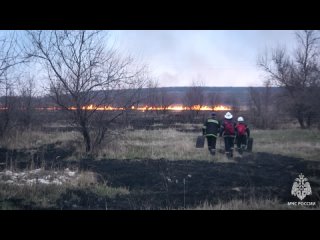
(240, 119)
(228, 115)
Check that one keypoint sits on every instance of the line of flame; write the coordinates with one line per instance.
(173, 107)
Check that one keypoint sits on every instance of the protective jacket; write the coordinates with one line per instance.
(211, 127)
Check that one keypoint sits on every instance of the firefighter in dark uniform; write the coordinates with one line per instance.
(227, 131)
(211, 130)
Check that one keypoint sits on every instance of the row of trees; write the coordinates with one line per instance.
(195, 95)
(81, 69)
(157, 96)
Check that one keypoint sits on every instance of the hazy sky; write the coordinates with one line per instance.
(219, 58)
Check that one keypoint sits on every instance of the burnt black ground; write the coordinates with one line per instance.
(167, 184)
(159, 184)
(47, 155)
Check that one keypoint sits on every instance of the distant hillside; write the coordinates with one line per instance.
(226, 93)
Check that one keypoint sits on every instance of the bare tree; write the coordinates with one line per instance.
(194, 97)
(262, 106)
(10, 57)
(298, 74)
(26, 101)
(255, 106)
(8, 107)
(235, 105)
(152, 98)
(85, 76)
(165, 99)
(213, 99)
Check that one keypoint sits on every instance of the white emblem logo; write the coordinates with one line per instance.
(301, 187)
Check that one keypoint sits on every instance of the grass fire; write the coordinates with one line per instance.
(91, 128)
(173, 107)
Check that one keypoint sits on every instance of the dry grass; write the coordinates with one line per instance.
(34, 139)
(175, 145)
(40, 195)
(252, 204)
(157, 144)
(86, 178)
(172, 144)
(104, 190)
(290, 142)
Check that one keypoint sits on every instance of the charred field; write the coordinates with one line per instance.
(148, 166)
(163, 184)
(180, 184)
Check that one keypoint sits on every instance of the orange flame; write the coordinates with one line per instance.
(173, 107)
(177, 107)
(222, 108)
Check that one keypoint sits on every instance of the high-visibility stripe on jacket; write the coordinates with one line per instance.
(211, 127)
(211, 135)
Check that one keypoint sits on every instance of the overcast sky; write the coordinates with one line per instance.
(219, 58)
